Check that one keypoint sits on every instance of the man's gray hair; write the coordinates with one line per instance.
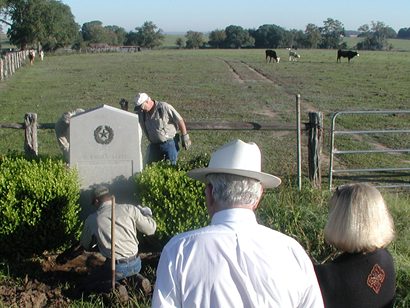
(231, 190)
(359, 220)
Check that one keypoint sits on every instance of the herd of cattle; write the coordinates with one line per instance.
(294, 56)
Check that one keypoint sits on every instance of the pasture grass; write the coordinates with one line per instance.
(237, 85)
(220, 85)
(400, 248)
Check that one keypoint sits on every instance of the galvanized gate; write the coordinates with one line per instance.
(333, 151)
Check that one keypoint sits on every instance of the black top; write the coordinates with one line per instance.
(358, 280)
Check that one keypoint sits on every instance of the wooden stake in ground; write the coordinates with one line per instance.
(113, 242)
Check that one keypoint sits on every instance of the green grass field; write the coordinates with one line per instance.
(217, 85)
(229, 85)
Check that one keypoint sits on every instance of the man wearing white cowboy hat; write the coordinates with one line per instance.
(235, 262)
(160, 122)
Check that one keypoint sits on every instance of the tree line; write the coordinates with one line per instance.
(49, 25)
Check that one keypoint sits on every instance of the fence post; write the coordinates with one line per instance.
(6, 66)
(30, 136)
(1, 69)
(298, 143)
(315, 141)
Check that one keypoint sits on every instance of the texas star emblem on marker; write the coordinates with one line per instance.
(103, 134)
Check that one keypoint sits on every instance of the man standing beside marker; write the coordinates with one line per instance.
(160, 122)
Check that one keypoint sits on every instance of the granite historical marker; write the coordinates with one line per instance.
(105, 148)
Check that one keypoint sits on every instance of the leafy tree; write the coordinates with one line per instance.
(78, 43)
(26, 22)
(375, 37)
(363, 30)
(180, 42)
(332, 34)
(404, 33)
(294, 39)
(116, 34)
(131, 39)
(269, 36)
(148, 35)
(313, 36)
(217, 38)
(237, 37)
(40, 22)
(390, 32)
(60, 29)
(194, 39)
(94, 32)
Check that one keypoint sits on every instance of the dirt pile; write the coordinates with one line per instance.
(48, 284)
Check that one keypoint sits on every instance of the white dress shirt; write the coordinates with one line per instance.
(235, 262)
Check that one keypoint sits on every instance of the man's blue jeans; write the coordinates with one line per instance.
(99, 279)
(166, 150)
(126, 269)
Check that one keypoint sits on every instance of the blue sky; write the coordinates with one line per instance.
(208, 15)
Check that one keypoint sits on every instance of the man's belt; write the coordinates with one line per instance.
(126, 260)
(163, 142)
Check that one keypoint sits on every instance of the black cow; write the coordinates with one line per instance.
(346, 54)
(271, 54)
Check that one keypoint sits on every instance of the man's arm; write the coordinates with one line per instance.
(182, 127)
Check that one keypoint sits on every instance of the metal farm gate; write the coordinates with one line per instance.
(333, 151)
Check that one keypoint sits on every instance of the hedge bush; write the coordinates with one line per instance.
(177, 201)
(38, 205)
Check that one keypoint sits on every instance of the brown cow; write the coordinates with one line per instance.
(31, 56)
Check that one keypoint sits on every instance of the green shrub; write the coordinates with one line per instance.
(38, 205)
(177, 201)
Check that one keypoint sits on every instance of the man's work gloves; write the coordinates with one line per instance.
(145, 210)
(186, 142)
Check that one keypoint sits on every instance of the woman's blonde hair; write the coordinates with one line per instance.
(359, 220)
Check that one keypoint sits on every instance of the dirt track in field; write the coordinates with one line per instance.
(251, 75)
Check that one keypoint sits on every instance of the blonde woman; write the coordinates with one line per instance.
(360, 227)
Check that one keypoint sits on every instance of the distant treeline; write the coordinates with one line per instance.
(50, 25)
(404, 33)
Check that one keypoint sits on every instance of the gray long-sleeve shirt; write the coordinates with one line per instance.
(128, 220)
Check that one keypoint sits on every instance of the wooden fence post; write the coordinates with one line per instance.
(298, 143)
(315, 141)
(1, 69)
(6, 66)
(30, 136)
